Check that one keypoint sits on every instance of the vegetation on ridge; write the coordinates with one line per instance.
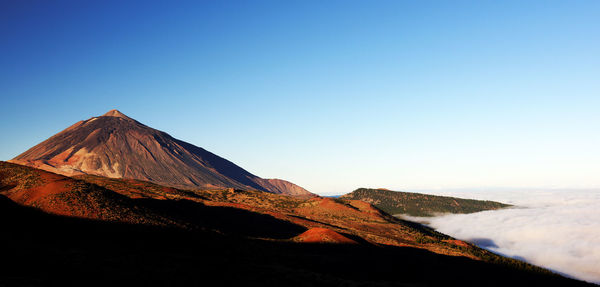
(418, 204)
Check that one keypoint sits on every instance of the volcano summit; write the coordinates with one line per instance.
(117, 146)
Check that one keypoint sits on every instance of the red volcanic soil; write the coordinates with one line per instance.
(457, 242)
(61, 195)
(55, 184)
(230, 210)
(323, 235)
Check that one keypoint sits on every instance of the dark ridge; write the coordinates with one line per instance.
(227, 220)
(419, 204)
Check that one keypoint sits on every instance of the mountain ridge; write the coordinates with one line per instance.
(419, 204)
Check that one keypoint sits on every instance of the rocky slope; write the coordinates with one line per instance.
(116, 146)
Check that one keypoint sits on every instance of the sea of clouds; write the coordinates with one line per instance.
(556, 229)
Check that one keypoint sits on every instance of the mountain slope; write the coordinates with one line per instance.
(116, 146)
(46, 250)
(60, 195)
(249, 238)
(418, 204)
(254, 213)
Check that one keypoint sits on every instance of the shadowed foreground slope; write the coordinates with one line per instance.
(183, 237)
(48, 250)
(60, 195)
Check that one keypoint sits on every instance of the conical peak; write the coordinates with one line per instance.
(115, 113)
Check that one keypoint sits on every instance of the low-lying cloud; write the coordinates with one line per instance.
(559, 230)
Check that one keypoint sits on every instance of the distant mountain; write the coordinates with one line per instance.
(116, 146)
(418, 204)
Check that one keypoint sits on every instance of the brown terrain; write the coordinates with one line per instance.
(116, 146)
(133, 201)
(323, 235)
(111, 202)
(217, 232)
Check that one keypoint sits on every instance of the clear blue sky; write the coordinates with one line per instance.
(332, 95)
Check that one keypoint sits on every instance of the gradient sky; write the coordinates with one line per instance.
(332, 95)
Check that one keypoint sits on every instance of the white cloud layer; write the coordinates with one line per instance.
(559, 230)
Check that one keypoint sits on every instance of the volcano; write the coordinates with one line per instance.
(117, 146)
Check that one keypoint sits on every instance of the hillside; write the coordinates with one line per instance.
(116, 146)
(47, 250)
(226, 236)
(61, 195)
(418, 204)
(225, 210)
